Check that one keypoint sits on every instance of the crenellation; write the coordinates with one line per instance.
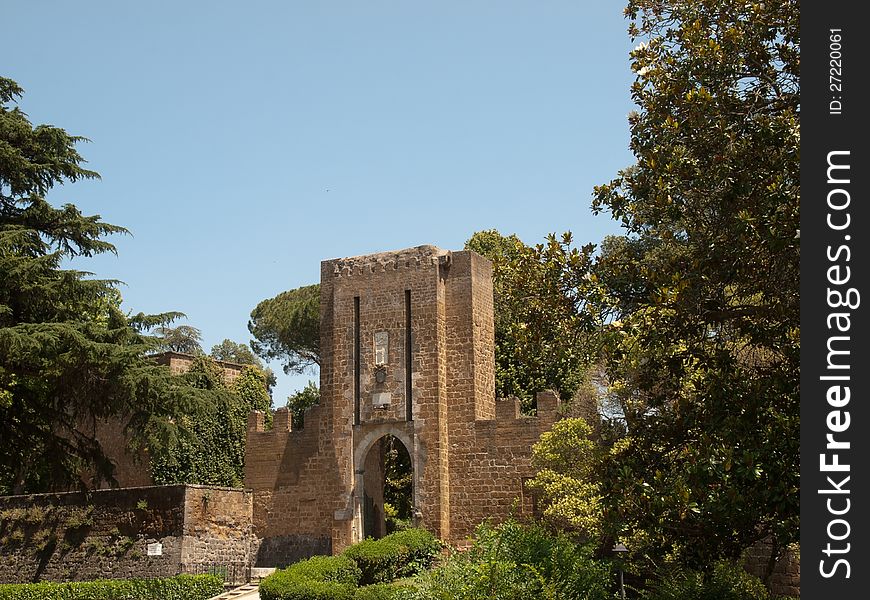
(281, 420)
(469, 452)
(507, 408)
(256, 420)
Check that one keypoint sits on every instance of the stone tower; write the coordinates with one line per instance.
(407, 349)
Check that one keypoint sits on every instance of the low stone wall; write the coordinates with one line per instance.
(217, 526)
(283, 550)
(786, 577)
(109, 533)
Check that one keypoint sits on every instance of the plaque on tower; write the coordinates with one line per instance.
(382, 343)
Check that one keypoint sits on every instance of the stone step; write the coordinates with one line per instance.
(258, 573)
(248, 588)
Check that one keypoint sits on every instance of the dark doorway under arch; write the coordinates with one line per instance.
(388, 491)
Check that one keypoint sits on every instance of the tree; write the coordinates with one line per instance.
(210, 448)
(544, 327)
(234, 352)
(565, 459)
(704, 349)
(301, 401)
(68, 355)
(287, 328)
(230, 351)
(181, 338)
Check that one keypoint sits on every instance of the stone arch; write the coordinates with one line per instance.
(363, 449)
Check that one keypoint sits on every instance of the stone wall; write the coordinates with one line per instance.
(180, 362)
(106, 533)
(491, 460)
(294, 485)
(132, 469)
(418, 320)
(786, 577)
(217, 526)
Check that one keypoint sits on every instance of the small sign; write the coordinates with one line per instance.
(382, 343)
(381, 400)
(155, 549)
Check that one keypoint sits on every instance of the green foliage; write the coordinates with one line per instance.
(704, 352)
(378, 560)
(181, 587)
(210, 449)
(371, 561)
(182, 338)
(287, 328)
(517, 561)
(544, 330)
(251, 386)
(381, 591)
(68, 355)
(318, 578)
(398, 484)
(301, 401)
(230, 351)
(399, 554)
(727, 581)
(234, 352)
(565, 459)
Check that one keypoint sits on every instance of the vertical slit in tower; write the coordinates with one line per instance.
(356, 362)
(408, 406)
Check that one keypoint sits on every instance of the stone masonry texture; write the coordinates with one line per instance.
(106, 533)
(470, 453)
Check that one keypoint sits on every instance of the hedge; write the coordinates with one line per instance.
(380, 561)
(399, 554)
(318, 578)
(379, 591)
(181, 587)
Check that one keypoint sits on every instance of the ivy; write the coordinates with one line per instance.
(209, 445)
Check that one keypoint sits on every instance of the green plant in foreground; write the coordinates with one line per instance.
(517, 561)
(319, 578)
(180, 587)
(727, 581)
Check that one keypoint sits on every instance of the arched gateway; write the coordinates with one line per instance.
(407, 349)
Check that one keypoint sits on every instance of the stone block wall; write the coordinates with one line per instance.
(179, 362)
(786, 577)
(106, 533)
(418, 320)
(295, 487)
(490, 461)
(217, 526)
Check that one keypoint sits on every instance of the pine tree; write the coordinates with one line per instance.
(68, 355)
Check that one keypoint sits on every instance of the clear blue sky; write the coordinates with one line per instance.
(244, 142)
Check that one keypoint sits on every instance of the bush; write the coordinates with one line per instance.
(728, 581)
(399, 554)
(369, 562)
(181, 587)
(318, 578)
(520, 562)
(379, 591)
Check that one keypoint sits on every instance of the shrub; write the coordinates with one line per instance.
(518, 562)
(369, 562)
(181, 587)
(399, 554)
(318, 578)
(728, 581)
(422, 548)
(379, 591)
(378, 560)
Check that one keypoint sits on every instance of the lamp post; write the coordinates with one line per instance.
(619, 550)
